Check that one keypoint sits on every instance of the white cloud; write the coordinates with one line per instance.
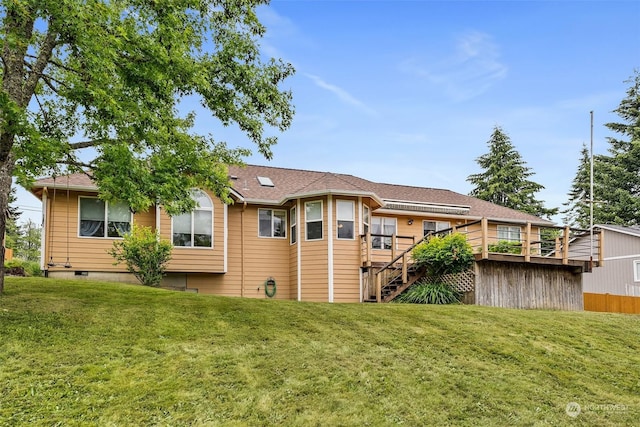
(277, 25)
(469, 71)
(342, 94)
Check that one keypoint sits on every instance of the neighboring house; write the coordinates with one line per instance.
(615, 286)
(317, 235)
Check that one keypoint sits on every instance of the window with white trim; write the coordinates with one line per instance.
(636, 270)
(382, 229)
(509, 233)
(195, 229)
(434, 226)
(345, 217)
(294, 225)
(272, 223)
(313, 220)
(365, 219)
(103, 219)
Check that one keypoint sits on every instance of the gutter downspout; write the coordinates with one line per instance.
(360, 232)
(43, 235)
(225, 255)
(330, 244)
(244, 207)
(299, 249)
(158, 218)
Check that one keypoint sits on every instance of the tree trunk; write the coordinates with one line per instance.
(6, 171)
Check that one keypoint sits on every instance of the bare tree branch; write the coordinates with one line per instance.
(56, 63)
(77, 163)
(48, 81)
(46, 50)
(87, 144)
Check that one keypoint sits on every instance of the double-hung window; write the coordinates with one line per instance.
(365, 219)
(346, 219)
(382, 229)
(313, 220)
(195, 229)
(293, 220)
(509, 233)
(272, 222)
(103, 219)
(434, 226)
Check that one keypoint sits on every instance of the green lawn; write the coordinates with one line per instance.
(85, 353)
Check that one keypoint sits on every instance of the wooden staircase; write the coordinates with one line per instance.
(396, 286)
(395, 277)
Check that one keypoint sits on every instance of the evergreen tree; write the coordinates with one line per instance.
(577, 207)
(620, 178)
(12, 232)
(28, 245)
(504, 180)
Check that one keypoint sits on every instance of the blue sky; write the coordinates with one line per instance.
(408, 92)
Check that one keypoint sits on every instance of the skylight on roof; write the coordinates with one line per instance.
(265, 181)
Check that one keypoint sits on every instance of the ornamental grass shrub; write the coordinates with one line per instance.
(30, 268)
(426, 292)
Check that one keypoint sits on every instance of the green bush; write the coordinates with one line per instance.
(144, 253)
(444, 255)
(430, 293)
(31, 268)
(506, 247)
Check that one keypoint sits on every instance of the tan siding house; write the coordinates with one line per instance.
(312, 233)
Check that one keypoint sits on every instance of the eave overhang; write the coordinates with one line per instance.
(305, 195)
(437, 208)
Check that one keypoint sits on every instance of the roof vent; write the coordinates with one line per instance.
(265, 182)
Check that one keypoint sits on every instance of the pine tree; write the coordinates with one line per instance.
(28, 245)
(504, 180)
(577, 207)
(620, 178)
(12, 232)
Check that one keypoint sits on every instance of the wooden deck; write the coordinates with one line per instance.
(583, 266)
(577, 250)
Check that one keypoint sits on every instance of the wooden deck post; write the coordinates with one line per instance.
(378, 287)
(485, 238)
(404, 268)
(394, 241)
(526, 250)
(557, 249)
(565, 246)
(368, 248)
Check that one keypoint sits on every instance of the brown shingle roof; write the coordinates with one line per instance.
(292, 183)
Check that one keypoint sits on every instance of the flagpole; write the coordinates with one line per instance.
(591, 200)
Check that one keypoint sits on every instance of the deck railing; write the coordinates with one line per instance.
(382, 248)
(536, 242)
(558, 242)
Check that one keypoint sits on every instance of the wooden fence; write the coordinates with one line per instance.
(522, 285)
(611, 303)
